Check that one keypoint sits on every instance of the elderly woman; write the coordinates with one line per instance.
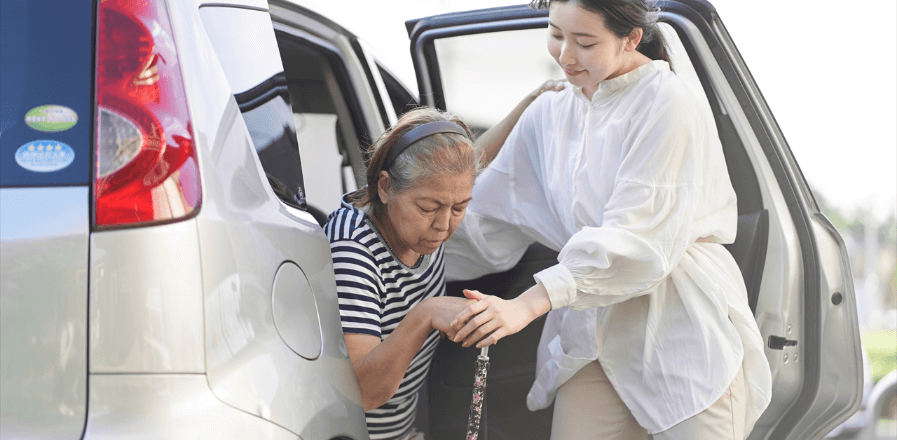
(387, 246)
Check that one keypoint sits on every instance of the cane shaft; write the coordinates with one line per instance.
(479, 393)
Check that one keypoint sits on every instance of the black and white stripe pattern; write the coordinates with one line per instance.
(375, 292)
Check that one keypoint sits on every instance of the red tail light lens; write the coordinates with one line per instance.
(146, 168)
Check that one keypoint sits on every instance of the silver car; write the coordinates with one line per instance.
(162, 266)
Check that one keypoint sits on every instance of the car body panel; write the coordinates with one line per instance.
(831, 383)
(168, 406)
(242, 244)
(146, 300)
(46, 91)
(245, 234)
(840, 363)
(43, 318)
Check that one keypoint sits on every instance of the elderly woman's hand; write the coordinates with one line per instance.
(491, 141)
(441, 311)
(491, 318)
(550, 85)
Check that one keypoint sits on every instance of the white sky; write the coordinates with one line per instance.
(827, 69)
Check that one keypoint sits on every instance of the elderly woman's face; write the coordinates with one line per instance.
(423, 217)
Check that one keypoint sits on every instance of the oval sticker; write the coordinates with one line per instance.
(51, 118)
(44, 156)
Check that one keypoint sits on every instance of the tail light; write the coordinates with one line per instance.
(146, 168)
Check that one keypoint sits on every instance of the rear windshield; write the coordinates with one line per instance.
(46, 92)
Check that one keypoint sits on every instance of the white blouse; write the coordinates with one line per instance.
(632, 189)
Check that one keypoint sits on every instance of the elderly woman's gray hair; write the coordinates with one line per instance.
(442, 154)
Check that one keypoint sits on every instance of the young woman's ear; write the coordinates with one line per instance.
(383, 187)
(632, 40)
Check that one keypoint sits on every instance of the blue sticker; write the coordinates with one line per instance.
(44, 156)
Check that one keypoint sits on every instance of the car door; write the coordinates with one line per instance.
(274, 348)
(479, 64)
(46, 114)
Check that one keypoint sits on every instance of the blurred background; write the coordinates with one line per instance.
(829, 73)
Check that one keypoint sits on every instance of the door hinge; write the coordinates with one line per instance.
(779, 343)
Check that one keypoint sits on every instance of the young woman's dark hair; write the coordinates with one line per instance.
(621, 17)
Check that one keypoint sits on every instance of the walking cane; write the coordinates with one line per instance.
(479, 394)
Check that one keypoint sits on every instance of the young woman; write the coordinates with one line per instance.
(650, 330)
(387, 247)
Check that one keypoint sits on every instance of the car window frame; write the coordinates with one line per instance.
(347, 86)
(397, 91)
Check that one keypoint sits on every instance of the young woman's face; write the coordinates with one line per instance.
(584, 47)
(425, 216)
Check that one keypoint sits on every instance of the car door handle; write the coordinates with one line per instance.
(779, 343)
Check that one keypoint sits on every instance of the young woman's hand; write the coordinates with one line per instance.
(442, 309)
(491, 141)
(491, 318)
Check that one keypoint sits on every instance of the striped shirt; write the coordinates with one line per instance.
(376, 291)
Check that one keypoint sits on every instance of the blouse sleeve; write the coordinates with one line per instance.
(647, 223)
(360, 308)
(483, 245)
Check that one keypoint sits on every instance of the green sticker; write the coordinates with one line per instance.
(51, 118)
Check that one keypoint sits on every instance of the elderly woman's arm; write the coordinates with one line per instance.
(380, 365)
(490, 142)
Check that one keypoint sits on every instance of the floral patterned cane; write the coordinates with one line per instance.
(479, 393)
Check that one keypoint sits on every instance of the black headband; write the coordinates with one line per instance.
(418, 133)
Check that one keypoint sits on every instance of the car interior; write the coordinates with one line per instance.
(325, 116)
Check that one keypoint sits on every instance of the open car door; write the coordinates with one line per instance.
(479, 64)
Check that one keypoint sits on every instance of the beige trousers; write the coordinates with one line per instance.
(587, 407)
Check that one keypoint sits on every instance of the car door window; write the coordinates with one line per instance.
(515, 59)
(266, 111)
(502, 57)
(254, 71)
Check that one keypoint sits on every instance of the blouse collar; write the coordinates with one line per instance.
(610, 86)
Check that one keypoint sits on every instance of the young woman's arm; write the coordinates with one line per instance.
(492, 318)
(491, 141)
(380, 366)
(648, 224)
